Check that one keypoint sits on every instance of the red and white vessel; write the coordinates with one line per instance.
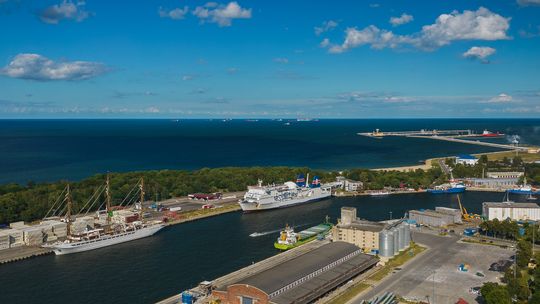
(487, 133)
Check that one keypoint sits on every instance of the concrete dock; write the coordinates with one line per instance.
(452, 136)
(22, 253)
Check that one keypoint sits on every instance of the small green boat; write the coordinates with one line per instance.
(289, 239)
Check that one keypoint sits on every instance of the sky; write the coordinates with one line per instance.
(269, 59)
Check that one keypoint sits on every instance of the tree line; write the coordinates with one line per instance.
(32, 201)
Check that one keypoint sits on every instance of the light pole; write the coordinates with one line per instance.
(433, 301)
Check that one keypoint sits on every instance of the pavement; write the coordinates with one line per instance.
(433, 275)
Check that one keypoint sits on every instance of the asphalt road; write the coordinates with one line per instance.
(435, 271)
(437, 252)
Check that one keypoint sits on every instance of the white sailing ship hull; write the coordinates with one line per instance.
(104, 241)
(249, 206)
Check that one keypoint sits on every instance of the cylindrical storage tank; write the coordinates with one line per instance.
(395, 230)
(401, 236)
(386, 243)
(407, 235)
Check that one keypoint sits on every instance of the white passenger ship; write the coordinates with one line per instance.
(259, 198)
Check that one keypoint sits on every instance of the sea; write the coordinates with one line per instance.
(50, 150)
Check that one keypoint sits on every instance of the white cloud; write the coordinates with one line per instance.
(479, 52)
(187, 77)
(175, 14)
(325, 27)
(37, 67)
(324, 43)
(221, 14)
(481, 24)
(502, 98)
(528, 2)
(281, 60)
(65, 10)
(403, 19)
(232, 70)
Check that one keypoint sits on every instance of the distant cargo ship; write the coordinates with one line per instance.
(289, 239)
(451, 187)
(260, 197)
(487, 133)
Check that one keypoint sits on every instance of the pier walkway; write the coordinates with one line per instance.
(451, 136)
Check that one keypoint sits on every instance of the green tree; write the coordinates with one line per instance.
(494, 293)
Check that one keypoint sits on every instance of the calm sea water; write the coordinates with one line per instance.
(179, 257)
(47, 150)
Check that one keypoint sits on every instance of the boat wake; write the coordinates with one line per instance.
(257, 234)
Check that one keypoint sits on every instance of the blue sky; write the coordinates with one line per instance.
(326, 59)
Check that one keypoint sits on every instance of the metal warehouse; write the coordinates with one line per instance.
(299, 280)
(511, 210)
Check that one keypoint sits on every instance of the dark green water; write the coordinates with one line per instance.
(181, 256)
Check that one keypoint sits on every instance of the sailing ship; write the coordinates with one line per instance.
(117, 227)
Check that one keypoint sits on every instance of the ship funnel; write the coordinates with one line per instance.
(316, 182)
(301, 180)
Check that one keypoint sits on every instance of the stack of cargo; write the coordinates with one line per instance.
(15, 237)
(54, 229)
(48, 234)
(17, 225)
(4, 241)
(125, 217)
(33, 236)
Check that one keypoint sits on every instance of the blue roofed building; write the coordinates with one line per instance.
(466, 159)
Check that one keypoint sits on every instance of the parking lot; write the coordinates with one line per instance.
(435, 272)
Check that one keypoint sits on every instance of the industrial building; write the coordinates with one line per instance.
(466, 159)
(372, 237)
(440, 217)
(349, 185)
(302, 279)
(515, 175)
(511, 210)
(493, 183)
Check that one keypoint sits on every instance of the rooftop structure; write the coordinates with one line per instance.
(511, 210)
(301, 279)
(466, 159)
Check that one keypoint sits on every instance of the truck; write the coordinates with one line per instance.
(175, 209)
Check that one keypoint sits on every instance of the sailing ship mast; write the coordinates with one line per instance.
(108, 199)
(142, 199)
(68, 211)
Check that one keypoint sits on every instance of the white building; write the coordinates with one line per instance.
(511, 210)
(466, 159)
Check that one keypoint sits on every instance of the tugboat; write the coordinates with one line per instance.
(524, 189)
(289, 239)
(451, 187)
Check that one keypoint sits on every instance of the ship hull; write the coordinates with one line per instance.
(253, 207)
(69, 248)
(521, 192)
(446, 191)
